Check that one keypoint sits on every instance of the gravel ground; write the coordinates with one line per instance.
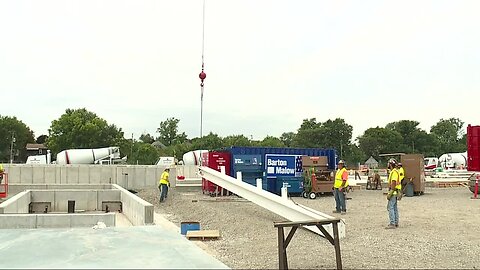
(437, 230)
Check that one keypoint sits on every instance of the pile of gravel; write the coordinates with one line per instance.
(437, 230)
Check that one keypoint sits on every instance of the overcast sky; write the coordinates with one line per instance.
(269, 64)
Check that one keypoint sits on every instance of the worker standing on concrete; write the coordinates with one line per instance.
(394, 187)
(163, 184)
(340, 187)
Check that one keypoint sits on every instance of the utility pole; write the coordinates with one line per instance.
(131, 148)
(11, 147)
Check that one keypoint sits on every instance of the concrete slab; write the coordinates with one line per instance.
(133, 247)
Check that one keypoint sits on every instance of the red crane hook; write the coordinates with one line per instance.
(202, 77)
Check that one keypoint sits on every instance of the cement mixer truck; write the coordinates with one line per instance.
(190, 160)
(453, 160)
(193, 157)
(107, 155)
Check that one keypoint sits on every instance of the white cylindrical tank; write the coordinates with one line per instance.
(453, 160)
(86, 156)
(193, 157)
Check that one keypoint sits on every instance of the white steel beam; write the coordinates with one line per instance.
(276, 204)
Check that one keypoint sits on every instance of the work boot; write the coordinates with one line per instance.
(390, 226)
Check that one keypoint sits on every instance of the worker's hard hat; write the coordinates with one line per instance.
(341, 162)
(392, 161)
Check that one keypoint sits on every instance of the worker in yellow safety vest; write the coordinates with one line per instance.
(339, 188)
(1, 173)
(164, 184)
(401, 172)
(394, 189)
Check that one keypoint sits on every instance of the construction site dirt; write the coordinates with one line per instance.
(437, 230)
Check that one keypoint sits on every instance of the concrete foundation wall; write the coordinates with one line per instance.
(36, 221)
(138, 211)
(87, 200)
(128, 176)
(107, 196)
(17, 204)
(84, 200)
(17, 221)
(17, 188)
(189, 171)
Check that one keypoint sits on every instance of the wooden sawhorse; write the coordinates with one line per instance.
(283, 243)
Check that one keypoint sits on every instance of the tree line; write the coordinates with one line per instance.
(80, 128)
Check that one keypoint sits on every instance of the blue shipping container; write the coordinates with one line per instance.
(262, 151)
(251, 167)
(283, 165)
(294, 185)
(253, 182)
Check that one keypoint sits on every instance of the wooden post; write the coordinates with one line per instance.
(336, 242)
(282, 252)
(283, 243)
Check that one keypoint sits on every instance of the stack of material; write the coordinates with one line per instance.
(203, 235)
(445, 184)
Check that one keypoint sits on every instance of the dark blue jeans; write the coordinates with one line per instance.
(392, 208)
(163, 192)
(339, 200)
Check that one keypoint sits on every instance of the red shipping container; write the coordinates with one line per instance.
(215, 160)
(473, 148)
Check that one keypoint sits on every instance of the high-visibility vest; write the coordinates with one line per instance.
(394, 176)
(338, 179)
(1, 168)
(164, 178)
(401, 173)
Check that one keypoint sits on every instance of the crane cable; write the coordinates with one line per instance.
(203, 35)
(202, 74)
